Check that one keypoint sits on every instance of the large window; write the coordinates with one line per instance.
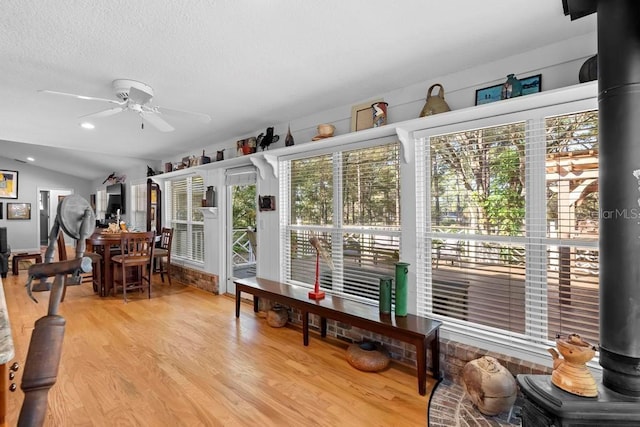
(350, 202)
(185, 197)
(499, 260)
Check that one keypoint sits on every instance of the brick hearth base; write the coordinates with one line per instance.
(196, 278)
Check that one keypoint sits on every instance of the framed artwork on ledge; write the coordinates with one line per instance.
(362, 115)
(8, 184)
(18, 210)
(493, 93)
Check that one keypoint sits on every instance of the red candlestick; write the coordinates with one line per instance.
(317, 293)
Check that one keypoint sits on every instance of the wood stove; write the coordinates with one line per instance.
(618, 399)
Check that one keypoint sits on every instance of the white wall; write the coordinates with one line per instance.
(558, 63)
(24, 234)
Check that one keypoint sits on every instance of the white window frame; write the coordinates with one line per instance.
(337, 229)
(535, 287)
(571, 99)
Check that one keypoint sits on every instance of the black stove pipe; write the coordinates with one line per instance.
(619, 187)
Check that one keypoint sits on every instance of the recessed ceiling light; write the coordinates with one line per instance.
(31, 159)
(87, 125)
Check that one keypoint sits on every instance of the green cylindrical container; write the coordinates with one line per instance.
(385, 295)
(402, 271)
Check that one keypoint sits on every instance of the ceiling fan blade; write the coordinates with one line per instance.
(72, 95)
(138, 96)
(104, 113)
(204, 118)
(157, 121)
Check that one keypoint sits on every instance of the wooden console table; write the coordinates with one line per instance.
(419, 331)
(15, 259)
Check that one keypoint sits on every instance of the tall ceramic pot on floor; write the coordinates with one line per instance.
(402, 272)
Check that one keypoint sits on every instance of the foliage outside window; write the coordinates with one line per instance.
(350, 200)
(500, 260)
(244, 218)
(185, 198)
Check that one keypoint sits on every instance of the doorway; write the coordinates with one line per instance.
(243, 250)
(43, 204)
(48, 201)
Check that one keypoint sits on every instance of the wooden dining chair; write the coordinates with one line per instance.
(94, 277)
(162, 254)
(134, 264)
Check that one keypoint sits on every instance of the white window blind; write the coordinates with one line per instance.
(572, 224)
(101, 203)
(185, 197)
(138, 215)
(350, 201)
(499, 260)
(241, 176)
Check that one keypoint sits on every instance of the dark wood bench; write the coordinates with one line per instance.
(419, 331)
(15, 259)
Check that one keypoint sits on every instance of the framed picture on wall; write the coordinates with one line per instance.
(18, 210)
(267, 203)
(8, 184)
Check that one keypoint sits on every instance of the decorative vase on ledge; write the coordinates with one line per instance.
(379, 113)
(402, 271)
(384, 298)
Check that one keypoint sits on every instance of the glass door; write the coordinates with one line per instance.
(243, 249)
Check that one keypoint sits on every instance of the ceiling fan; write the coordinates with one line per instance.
(135, 96)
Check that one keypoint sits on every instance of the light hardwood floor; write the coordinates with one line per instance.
(183, 359)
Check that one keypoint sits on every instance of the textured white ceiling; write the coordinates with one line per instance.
(246, 63)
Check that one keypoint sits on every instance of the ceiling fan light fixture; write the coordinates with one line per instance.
(133, 96)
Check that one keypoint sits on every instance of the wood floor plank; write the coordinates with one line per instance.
(183, 359)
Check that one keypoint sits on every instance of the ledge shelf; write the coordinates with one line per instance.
(209, 212)
(405, 131)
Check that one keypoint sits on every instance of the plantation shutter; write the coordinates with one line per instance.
(185, 196)
(101, 203)
(197, 219)
(138, 216)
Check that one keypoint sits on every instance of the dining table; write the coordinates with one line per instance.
(104, 242)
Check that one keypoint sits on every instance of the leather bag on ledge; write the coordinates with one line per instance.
(435, 103)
